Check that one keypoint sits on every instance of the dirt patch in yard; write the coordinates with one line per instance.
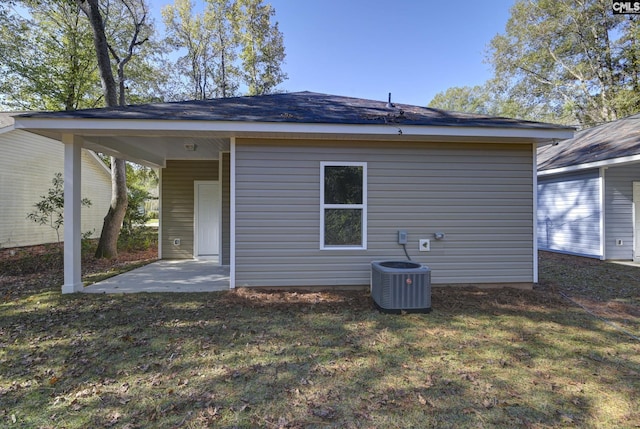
(451, 300)
(607, 289)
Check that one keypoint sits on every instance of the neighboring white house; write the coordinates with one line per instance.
(28, 163)
(589, 192)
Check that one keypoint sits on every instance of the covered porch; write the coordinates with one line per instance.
(190, 159)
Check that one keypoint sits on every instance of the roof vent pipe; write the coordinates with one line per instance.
(389, 104)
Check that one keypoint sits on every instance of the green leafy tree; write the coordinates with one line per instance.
(208, 64)
(133, 44)
(262, 46)
(571, 60)
(228, 46)
(189, 31)
(47, 63)
(135, 235)
(488, 99)
(142, 183)
(135, 215)
(50, 209)
(226, 76)
(469, 99)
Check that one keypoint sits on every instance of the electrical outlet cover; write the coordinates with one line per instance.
(425, 245)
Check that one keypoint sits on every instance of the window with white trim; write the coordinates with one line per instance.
(343, 205)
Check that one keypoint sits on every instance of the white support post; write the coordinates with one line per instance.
(160, 216)
(72, 204)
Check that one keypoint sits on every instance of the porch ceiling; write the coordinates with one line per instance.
(152, 148)
(156, 150)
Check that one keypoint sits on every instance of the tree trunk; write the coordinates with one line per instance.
(108, 243)
(91, 8)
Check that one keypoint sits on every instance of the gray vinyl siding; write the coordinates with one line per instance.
(226, 204)
(568, 218)
(178, 204)
(479, 195)
(619, 210)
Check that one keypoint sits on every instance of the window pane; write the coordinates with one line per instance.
(342, 185)
(343, 227)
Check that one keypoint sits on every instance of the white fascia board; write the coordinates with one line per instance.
(238, 127)
(632, 159)
(7, 129)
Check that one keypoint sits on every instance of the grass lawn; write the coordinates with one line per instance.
(481, 358)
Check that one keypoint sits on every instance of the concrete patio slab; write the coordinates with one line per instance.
(168, 276)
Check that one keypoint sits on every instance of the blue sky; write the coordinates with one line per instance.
(368, 48)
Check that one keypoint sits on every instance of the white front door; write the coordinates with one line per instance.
(207, 219)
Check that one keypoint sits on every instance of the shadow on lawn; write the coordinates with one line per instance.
(255, 359)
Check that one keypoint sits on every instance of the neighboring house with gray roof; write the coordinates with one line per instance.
(307, 189)
(589, 192)
(28, 163)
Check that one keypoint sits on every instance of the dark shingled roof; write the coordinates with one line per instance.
(612, 140)
(295, 107)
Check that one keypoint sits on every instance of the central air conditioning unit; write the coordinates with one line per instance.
(398, 286)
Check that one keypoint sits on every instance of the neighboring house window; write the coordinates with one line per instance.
(343, 205)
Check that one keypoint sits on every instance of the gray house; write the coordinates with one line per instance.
(589, 192)
(306, 189)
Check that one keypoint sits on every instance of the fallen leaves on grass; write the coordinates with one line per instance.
(30, 270)
(256, 358)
